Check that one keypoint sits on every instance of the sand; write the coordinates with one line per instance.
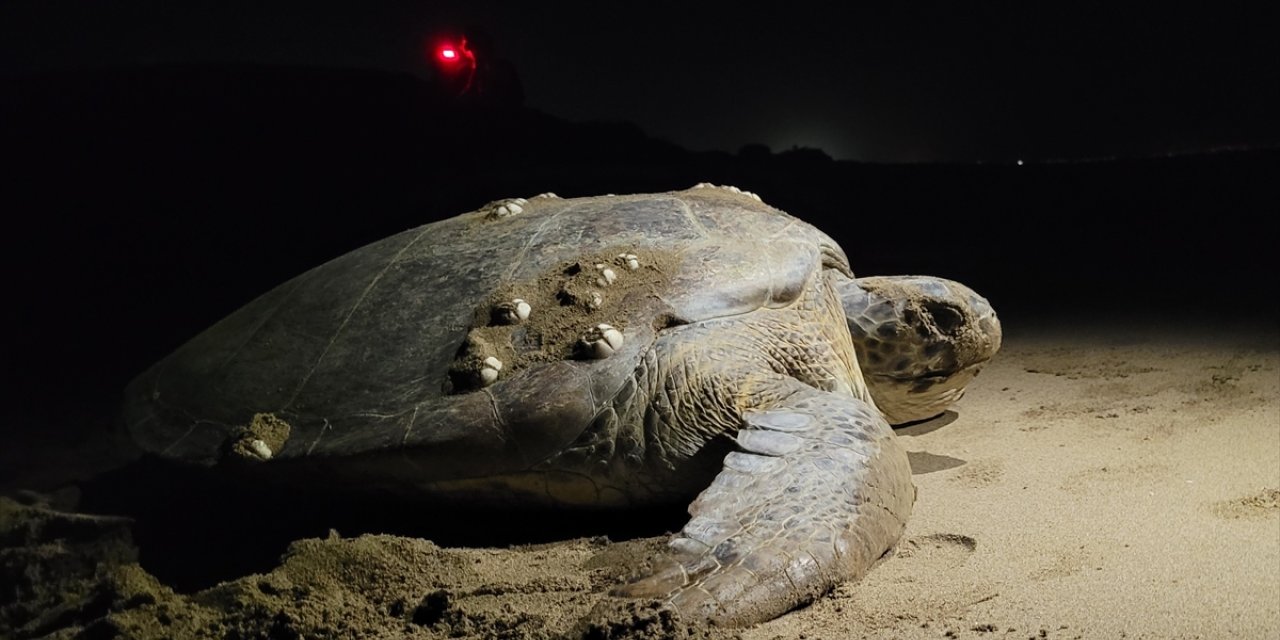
(1097, 481)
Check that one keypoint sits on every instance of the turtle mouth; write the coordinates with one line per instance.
(924, 375)
(927, 383)
(931, 380)
(915, 385)
(933, 376)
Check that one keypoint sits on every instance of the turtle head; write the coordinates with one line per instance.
(919, 340)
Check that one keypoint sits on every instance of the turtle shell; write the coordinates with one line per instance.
(389, 350)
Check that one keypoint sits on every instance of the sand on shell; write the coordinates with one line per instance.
(1106, 481)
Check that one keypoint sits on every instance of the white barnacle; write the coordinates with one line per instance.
(505, 208)
(607, 275)
(630, 260)
(489, 370)
(514, 311)
(596, 300)
(548, 195)
(729, 188)
(601, 342)
(522, 309)
(259, 449)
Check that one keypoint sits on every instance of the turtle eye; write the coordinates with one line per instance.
(946, 317)
(833, 258)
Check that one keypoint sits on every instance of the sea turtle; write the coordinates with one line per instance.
(597, 352)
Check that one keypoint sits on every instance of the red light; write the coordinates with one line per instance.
(455, 63)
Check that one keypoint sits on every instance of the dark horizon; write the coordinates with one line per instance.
(874, 85)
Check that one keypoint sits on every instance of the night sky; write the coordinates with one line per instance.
(887, 84)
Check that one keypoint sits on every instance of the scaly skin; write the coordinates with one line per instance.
(819, 489)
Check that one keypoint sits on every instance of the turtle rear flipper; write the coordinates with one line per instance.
(819, 492)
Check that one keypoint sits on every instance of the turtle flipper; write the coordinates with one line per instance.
(819, 492)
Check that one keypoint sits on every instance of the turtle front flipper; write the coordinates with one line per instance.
(819, 492)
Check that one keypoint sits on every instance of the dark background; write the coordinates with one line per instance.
(167, 162)
(874, 82)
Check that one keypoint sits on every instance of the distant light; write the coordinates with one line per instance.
(455, 63)
(1019, 163)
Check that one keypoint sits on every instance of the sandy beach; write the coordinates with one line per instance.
(1115, 480)
(1097, 482)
